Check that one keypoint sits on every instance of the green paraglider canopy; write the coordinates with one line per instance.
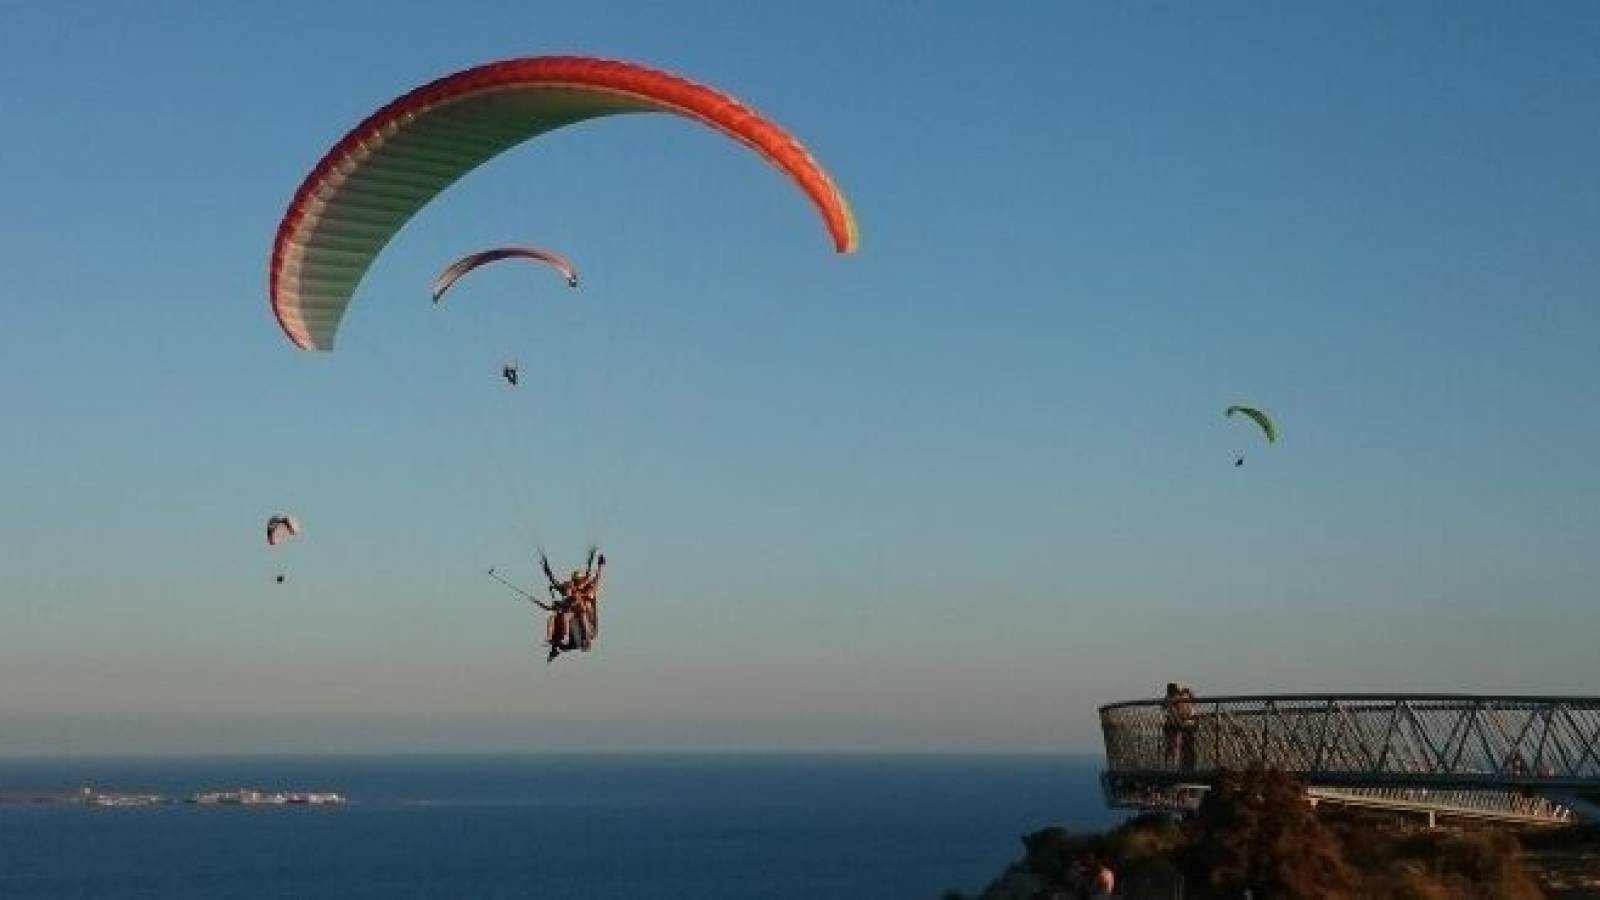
(1260, 418)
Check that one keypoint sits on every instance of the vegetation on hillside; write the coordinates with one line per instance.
(1256, 831)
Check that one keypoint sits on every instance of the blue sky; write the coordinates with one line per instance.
(950, 493)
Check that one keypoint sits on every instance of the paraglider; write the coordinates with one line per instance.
(472, 261)
(1262, 420)
(573, 620)
(393, 163)
(510, 371)
(280, 528)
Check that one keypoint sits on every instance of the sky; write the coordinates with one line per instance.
(949, 493)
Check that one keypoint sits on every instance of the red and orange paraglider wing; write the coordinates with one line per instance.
(389, 166)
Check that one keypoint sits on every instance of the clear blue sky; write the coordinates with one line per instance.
(950, 493)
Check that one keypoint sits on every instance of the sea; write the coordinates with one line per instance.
(603, 827)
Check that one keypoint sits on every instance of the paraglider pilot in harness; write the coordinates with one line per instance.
(574, 622)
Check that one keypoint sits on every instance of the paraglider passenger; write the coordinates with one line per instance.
(587, 595)
(555, 630)
(574, 619)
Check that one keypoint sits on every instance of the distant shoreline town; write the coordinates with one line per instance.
(89, 796)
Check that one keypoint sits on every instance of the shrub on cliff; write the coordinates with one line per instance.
(1051, 852)
(1256, 831)
(1145, 837)
(1473, 865)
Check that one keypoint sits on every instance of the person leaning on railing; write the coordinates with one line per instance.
(1178, 722)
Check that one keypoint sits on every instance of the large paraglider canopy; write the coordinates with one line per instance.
(393, 163)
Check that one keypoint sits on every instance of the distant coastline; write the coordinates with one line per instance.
(90, 796)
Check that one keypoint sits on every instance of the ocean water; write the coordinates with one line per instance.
(680, 826)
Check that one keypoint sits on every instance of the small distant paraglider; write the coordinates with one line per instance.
(471, 261)
(510, 371)
(280, 528)
(1262, 420)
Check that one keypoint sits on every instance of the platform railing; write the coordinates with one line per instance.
(1499, 752)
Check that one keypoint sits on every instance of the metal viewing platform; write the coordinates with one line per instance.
(1468, 756)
